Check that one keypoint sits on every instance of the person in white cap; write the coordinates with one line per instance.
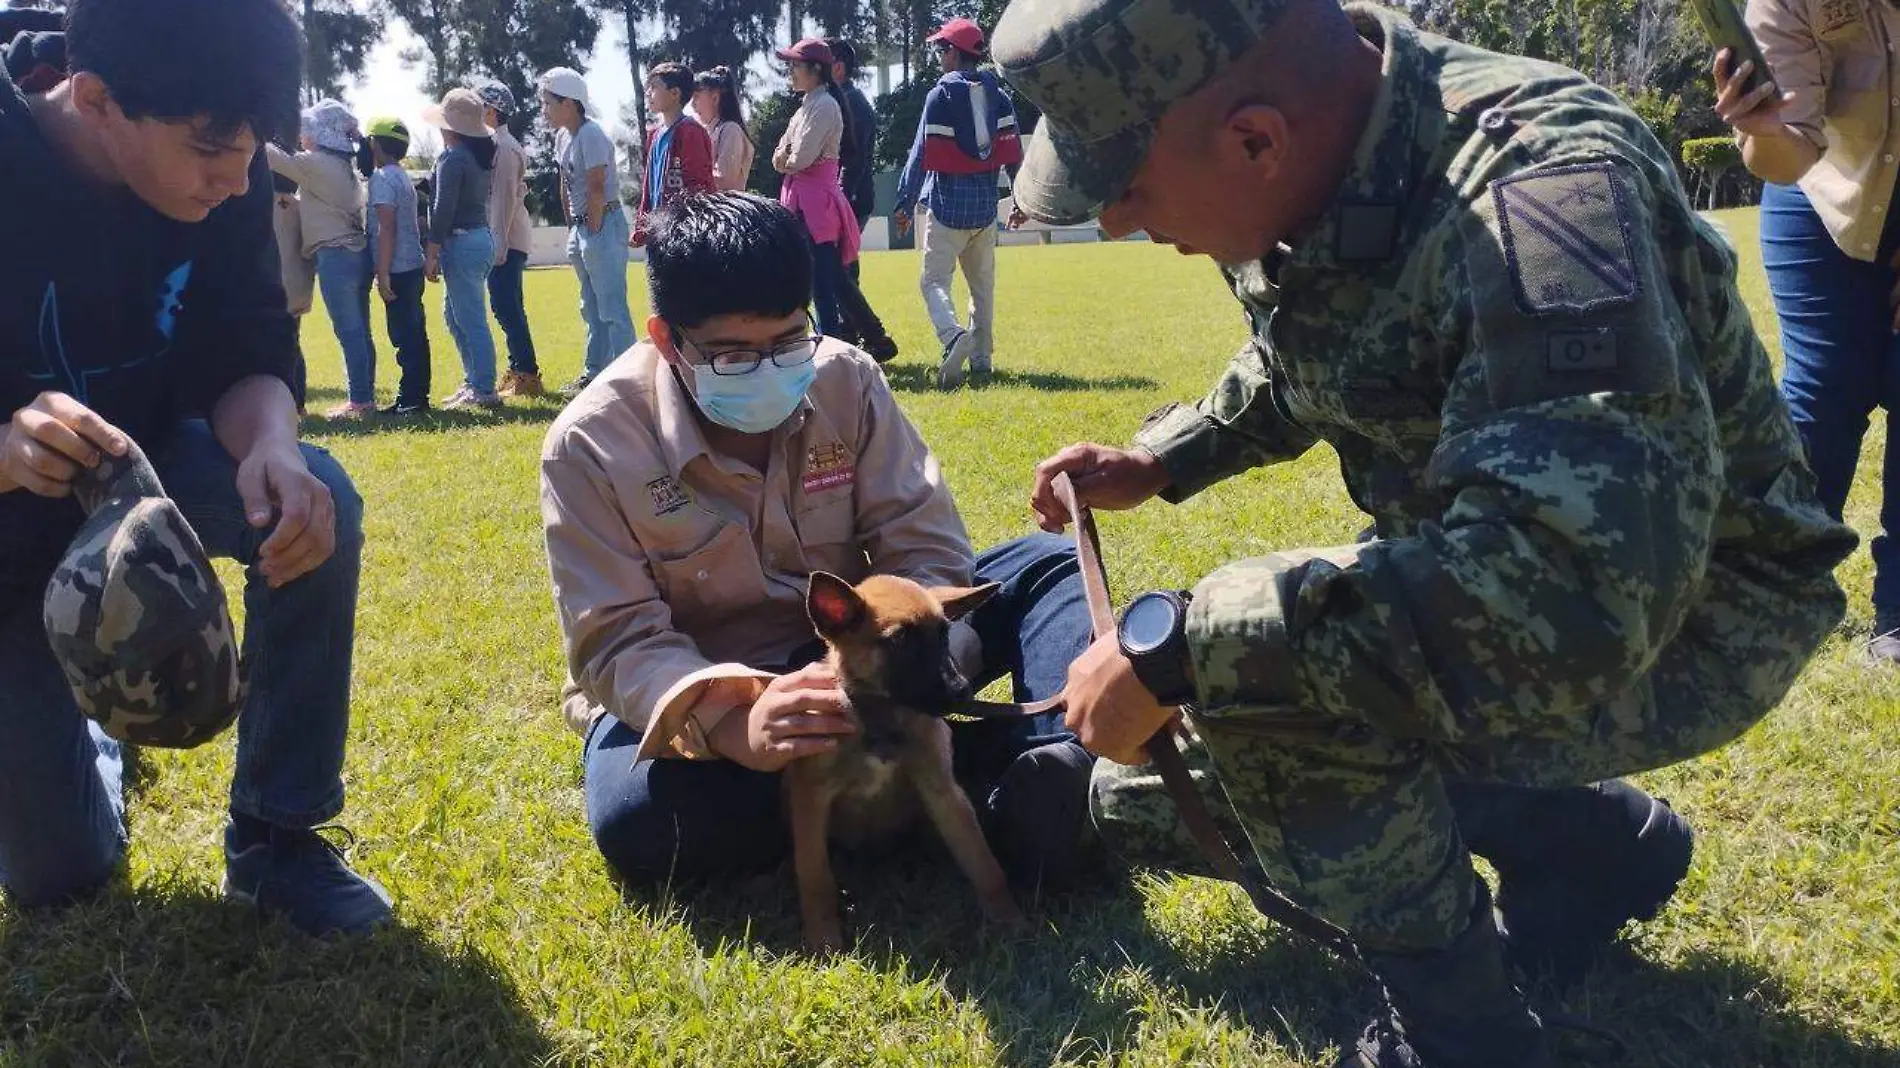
(330, 218)
(597, 225)
(508, 218)
(461, 247)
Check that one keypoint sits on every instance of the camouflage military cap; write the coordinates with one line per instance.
(1102, 72)
(137, 618)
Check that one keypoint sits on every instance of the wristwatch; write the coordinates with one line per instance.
(1153, 636)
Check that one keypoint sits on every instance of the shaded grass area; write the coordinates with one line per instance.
(515, 947)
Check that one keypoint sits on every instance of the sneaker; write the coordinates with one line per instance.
(955, 355)
(300, 875)
(883, 348)
(351, 410)
(573, 388)
(405, 408)
(468, 398)
(521, 384)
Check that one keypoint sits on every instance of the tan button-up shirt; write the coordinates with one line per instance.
(508, 198)
(1836, 58)
(679, 572)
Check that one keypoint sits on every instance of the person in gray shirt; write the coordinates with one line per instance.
(461, 246)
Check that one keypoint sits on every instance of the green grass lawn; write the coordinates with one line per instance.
(516, 948)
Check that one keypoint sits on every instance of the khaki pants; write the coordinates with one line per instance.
(945, 248)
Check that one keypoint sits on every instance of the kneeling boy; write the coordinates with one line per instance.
(688, 494)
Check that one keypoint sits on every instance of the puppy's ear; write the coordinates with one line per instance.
(833, 605)
(960, 601)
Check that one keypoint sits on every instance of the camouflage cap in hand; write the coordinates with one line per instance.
(137, 618)
(1102, 72)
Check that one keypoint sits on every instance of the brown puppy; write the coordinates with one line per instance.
(890, 646)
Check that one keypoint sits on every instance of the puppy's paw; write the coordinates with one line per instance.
(1001, 910)
(824, 940)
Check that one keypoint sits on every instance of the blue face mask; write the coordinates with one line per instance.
(754, 402)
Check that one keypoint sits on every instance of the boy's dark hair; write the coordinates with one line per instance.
(234, 63)
(843, 51)
(726, 253)
(674, 76)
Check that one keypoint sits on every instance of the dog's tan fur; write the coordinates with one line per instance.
(857, 795)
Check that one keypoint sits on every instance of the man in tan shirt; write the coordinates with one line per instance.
(514, 240)
(688, 494)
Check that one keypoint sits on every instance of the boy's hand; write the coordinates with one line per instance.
(798, 715)
(48, 442)
(385, 290)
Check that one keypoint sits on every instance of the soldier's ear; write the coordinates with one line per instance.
(1256, 135)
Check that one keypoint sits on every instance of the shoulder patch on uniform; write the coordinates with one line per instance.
(1566, 237)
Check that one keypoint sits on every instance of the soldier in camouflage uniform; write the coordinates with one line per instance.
(1596, 548)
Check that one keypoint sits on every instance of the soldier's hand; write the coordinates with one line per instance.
(50, 441)
(1112, 714)
(1104, 477)
(1757, 113)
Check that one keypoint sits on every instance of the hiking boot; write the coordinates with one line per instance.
(882, 347)
(300, 875)
(573, 388)
(1884, 646)
(1039, 811)
(1452, 1008)
(521, 384)
(955, 354)
(1574, 865)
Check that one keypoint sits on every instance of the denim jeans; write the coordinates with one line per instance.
(345, 278)
(62, 828)
(600, 260)
(1841, 360)
(696, 819)
(505, 296)
(409, 332)
(840, 307)
(466, 261)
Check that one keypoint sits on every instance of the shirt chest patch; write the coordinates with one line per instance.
(1837, 19)
(667, 495)
(828, 466)
(1566, 238)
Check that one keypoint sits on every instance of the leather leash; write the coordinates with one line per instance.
(1195, 814)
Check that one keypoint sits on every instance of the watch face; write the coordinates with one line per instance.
(1148, 623)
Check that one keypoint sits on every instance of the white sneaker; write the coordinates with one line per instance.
(955, 355)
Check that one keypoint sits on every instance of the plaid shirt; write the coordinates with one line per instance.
(961, 201)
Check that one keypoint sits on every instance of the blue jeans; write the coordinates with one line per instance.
(466, 261)
(505, 296)
(409, 332)
(1841, 361)
(600, 260)
(62, 828)
(345, 278)
(699, 819)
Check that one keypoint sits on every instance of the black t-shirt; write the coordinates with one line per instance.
(145, 320)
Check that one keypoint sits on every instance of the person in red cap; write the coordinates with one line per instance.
(966, 136)
(816, 144)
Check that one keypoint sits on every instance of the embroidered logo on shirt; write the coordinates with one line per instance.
(1566, 237)
(668, 495)
(1835, 16)
(828, 466)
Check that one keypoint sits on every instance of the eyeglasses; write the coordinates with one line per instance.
(745, 361)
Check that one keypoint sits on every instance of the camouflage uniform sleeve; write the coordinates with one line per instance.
(1238, 426)
(1581, 469)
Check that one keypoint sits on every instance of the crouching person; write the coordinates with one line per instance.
(689, 493)
(154, 315)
